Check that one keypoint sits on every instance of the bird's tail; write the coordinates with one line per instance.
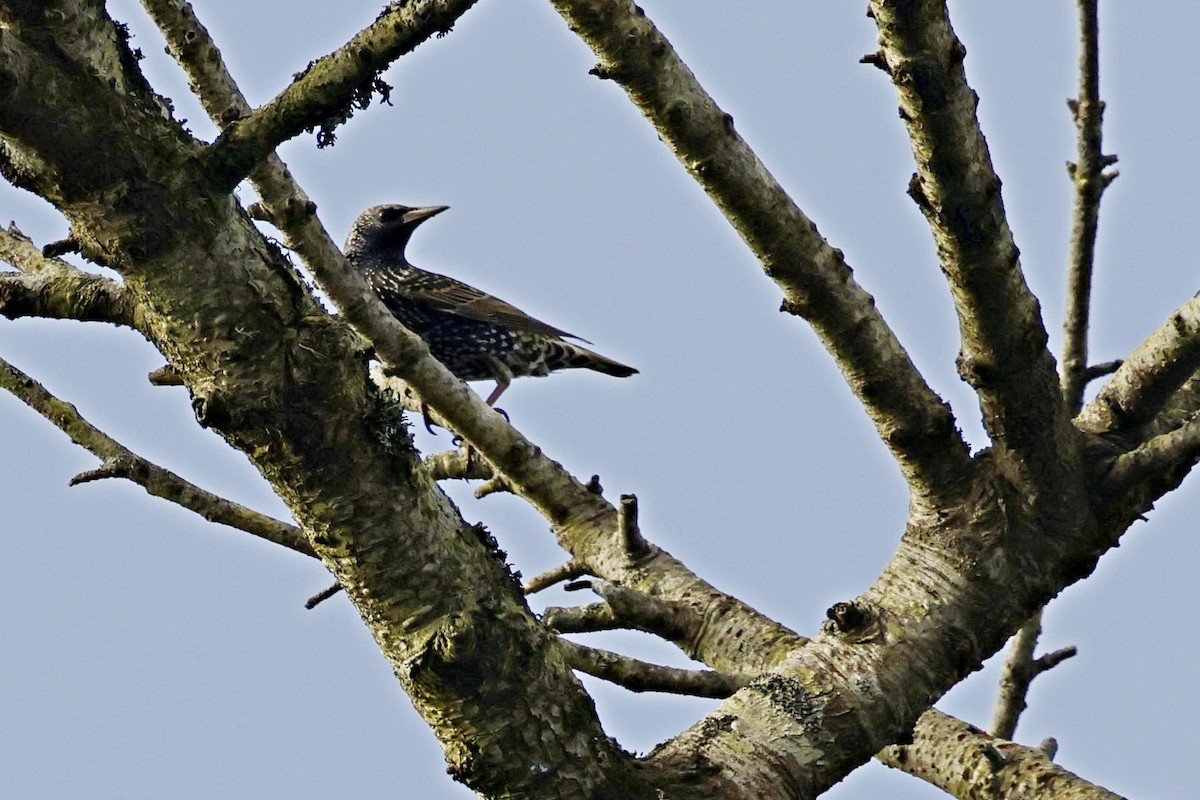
(576, 357)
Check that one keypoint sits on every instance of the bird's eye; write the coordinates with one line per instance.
(390, 214)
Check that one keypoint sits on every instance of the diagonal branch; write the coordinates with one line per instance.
(1161, 456)
(119, 462)
(329, 88)
(640, 676)
(968, 763)
(817, 284)
(49, 287)
(1146, 381)
(582, 519)
(1004, 352)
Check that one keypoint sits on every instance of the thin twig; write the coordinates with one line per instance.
(626, 608)
(1015, 677)
(639, 676)
(1048, 661)
(1100, 370)
(566, 571)
(1089, 180)
(322, 596)
(121, 462)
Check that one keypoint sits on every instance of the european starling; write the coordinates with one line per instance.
(476, 336)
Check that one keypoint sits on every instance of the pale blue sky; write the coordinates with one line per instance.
(148, 654)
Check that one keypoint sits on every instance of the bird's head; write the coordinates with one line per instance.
(385, 229)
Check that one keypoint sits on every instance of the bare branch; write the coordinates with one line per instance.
(1163, 455)
(566, 571)
(322, 596)
(639, 676)
(968, 763)
(1020, 668)
(326, 93)
(1004, 354)
(1087, 175)
(1015, 678)
(119, 462)
(1144, 384)
(48, 287)
(583, 619)
(816, 282)
(1100, 370)
(628, 608)
(1048, 661)
(460, 464)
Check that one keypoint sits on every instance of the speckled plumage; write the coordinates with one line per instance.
(477, 336)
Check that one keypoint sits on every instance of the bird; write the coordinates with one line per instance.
(475, 335)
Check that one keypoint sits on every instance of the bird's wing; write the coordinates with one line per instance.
(451, 296)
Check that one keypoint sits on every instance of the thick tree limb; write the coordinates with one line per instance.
(640, 676)
(1090, 181)
(971, 765)
(120, 462)
(583, 521)
(912, 420)
(285, 383)
(48, 287)
(1004, 354)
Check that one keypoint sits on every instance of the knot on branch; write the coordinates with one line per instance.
(852, 621)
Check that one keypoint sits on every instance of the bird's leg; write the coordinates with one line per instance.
(501, 385)
(425, 417)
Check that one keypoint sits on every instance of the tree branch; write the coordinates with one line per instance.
(119, 462)
(1144, 383)
(327, 92)
(1090, 181)
(1020, 668)
(1004, 354)
(639, 676)
(968, 763)
(1163, 455)
(49, 287)
(912, 420)
(567, 571)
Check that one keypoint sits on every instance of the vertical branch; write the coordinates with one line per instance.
(1087, 174)
(1015, 677)
(1090, 181)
